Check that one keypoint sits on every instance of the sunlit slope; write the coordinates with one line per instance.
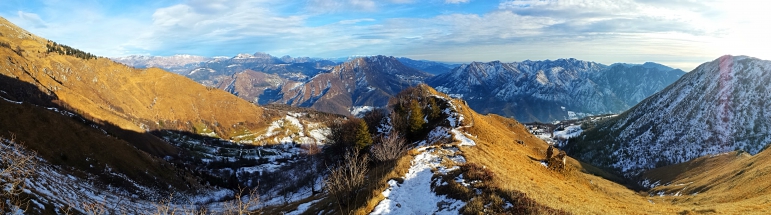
(517, 167)
(733, 182)
(133, 99)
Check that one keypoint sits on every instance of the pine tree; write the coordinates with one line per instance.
(416, 117)
(434, 108)
(362, 138)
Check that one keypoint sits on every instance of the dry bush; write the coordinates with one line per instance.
(473, 171)
(245, 202)
(344, 182)
(16, 165)
(522, 204)
(389, 148)
(94, 208)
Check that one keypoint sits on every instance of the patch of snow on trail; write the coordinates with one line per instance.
(414, 195)
(460, 136)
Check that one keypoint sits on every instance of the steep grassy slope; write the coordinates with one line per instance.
(70, 141)
(133, 99)
(516, 171)
(729, 183)
(580, 190)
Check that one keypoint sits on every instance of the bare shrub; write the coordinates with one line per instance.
(388, 148)
(475, 171)
(94, 208)
(16, 165)
(344, 182)
(245, 202)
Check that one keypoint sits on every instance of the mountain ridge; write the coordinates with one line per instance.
(550, 90)
(718, 107)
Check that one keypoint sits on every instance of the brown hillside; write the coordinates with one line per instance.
(72, 142)
(733, 182)
(578, 190)
(133, 99)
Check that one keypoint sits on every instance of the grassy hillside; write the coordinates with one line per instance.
(725, 184)
(731, 183)
(133, 99)
(73, 143)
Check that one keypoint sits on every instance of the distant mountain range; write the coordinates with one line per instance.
(528, 91)
(720, 106)
(553, 90)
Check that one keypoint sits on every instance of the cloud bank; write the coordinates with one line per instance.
(679, 33)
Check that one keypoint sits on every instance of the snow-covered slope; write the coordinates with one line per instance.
(176, 63)
(718, 107)
(552, 90)
(427, 66)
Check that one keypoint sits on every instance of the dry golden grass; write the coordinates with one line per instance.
(573, 190)
(731, 183)
(61, 140)
(133, 99)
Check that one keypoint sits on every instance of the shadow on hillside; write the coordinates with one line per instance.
(64, 137)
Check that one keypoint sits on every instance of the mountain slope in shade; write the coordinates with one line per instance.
(720, 106)
(553, 90)
(431, 67)
(367, 81)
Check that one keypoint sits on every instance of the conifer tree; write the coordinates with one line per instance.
(434, 109)
(362, 137)
(416, 117)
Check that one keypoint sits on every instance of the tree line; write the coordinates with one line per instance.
(67, 50)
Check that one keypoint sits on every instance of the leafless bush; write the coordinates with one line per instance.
(245, 202)
(94, 208)
(16, 165)
(388, 148)
(344, 182)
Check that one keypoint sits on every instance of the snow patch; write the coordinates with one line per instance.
(360, 111)
(414, 195)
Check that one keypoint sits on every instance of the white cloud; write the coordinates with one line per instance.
(602, 30)
(335, 6)
(456, 1)
(354, 21)
(33, 19)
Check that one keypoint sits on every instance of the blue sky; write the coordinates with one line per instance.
(678, 33)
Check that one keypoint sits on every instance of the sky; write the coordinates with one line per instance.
(677, 33)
